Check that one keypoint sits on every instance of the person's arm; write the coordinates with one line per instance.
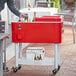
(12, 7)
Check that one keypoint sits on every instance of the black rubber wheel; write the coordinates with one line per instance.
(19, 67)
(15, 69)
(54, 71)
(58, 67)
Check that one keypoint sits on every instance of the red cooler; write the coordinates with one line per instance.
(46, 29)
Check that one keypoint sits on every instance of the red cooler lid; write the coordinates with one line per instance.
(49, 19)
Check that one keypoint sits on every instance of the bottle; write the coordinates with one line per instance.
(34, 16)
(48, 3)
(35, 57)
(19, 20)
(29, 5)
(47, 0)
(26, 18)
(40, 57)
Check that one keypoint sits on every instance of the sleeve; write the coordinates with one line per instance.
(11, 6)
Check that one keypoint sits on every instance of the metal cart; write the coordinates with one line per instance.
(37, 32)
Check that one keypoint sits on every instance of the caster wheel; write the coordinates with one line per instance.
(19, 67)
(58, 67)
(54, 71)
(15, 69)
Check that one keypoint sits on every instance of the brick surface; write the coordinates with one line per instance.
(68, 59)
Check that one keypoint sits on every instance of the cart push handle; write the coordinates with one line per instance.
(23, 19)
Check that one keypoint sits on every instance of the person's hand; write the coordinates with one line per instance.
(22, 15)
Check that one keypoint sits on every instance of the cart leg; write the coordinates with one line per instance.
(17, 51)
(16, 54)
(56, 58)
(20, 50)
(58, 52)
(20, 54)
